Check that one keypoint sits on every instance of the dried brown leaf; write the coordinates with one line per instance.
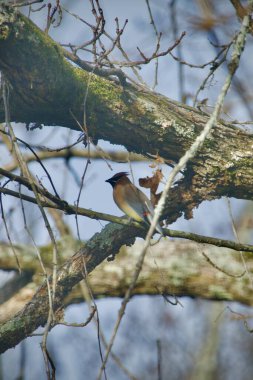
(152, 183)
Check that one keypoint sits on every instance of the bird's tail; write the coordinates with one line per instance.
(158, 227)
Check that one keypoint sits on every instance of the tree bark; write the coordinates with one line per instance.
(46, 89)
(34, 314)
(171, 269)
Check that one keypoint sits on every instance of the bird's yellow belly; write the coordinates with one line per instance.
(131, 212)
(128, 210)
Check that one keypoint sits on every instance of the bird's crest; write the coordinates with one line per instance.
(119, 175)
(116, 177)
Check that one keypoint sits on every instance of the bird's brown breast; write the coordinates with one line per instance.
(123, 191)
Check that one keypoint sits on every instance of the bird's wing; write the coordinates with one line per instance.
(139, 202)
(138, 206)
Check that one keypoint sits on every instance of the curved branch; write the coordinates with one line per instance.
(49, 91)
(34, 314)
(73, 210)
(179, 269)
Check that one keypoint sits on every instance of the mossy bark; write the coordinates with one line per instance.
(46, 89)
(35, 313)
(179, 269)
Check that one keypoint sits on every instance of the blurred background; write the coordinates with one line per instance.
(195, 339)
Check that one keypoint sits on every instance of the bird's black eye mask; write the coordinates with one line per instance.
(113, 180)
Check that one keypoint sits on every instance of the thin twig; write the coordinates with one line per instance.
(152, 22)
(238, 241)
(222, 270)
(25, 171)
(84, 324)
(71, 210)
(159, 359)
(216, 64)
(235, 59)
(25, 3)
(8, 235)
(174, 24)
(42, 165)
(84, 128)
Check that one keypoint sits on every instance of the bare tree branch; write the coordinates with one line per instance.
(171, 268)
(142, 121)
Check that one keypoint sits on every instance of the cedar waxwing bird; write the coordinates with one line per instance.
(131, 200)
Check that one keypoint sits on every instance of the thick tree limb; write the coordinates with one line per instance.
(35, 313)
(12, 286)
(46, 89)
(171, 268)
